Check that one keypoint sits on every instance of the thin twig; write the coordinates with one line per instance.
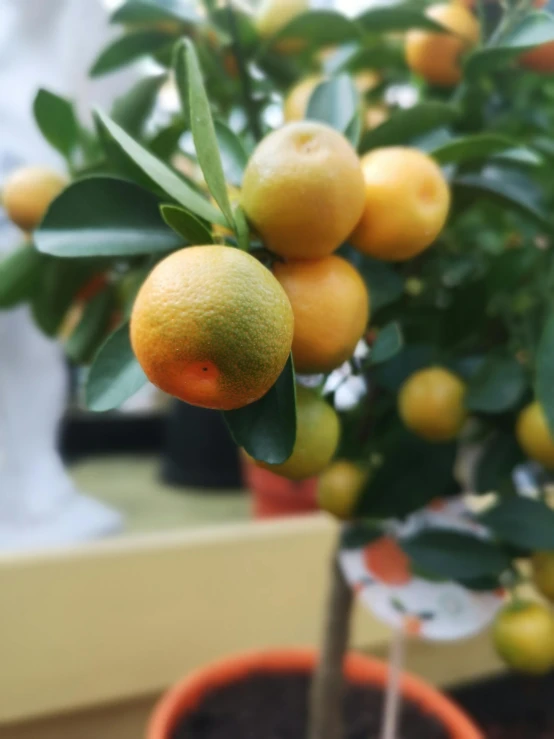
(326, 700)
(389, 727)
(249, 106)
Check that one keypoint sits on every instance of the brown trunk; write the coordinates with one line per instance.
(326, 703)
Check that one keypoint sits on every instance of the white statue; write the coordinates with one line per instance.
(47, 45)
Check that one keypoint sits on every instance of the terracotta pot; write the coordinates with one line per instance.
(274, 496)
(187, 694)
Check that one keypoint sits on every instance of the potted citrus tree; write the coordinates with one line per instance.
(394, 240)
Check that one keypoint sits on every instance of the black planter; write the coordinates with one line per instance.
(198, 450)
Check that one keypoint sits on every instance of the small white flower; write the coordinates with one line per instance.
(349, 394)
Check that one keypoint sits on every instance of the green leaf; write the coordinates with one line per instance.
(520, 155)
(536, 28)
(409, 123)
(544, 386)
(499, 186)
(471, 148)
(522, 522)
(410, 359)
(128, 49)
(234, 156)
(193, 94)
(497, 386)
(161, 174)
(413, 473)
(266, 429)
(318, 28)
(115, 374)
(56, 119)
(243, 231)
(388, 343)
(91, 329)
(103, 216)
(385, 286)
(353, 130)
(498, 458)
(186, 224)
(453, 556)
(151, 11)
(20, 272)
(132, 109)
(334, 102)
(399, 16)
(360, 534)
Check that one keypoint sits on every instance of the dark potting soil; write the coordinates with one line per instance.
(275, 707)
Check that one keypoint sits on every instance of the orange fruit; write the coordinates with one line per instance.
(28, 192)
(436, 56)
(543, 573)
(406, 203)
(534, 435)
(539, 59)
(317, 438)
(331, 310)
(339, 487)
(212, 326)
(523, 635)
(431, 404)
(303, 190)
(296, 101)
(387, 562)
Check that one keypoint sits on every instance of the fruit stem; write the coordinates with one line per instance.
(249, 106)
(326, 700)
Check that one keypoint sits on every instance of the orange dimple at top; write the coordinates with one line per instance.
(387, 562)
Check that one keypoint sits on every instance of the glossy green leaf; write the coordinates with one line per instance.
(319, 28)
(128, 49)
(471, 148)
(193, 93)
(360, 534)
(385, 285)
(520, 156)
(242, 228)
(132, 110)
(334, 102)
(152, 11)
(91, 329)
(544, 384)
(20, 271)
(397, 16)
(115, 374)
(452, 555)
(234, 156)
(56, 119)
(161, 174)
(353, 131)
(407, 124)
(497, 386)
(410, 359)
(388, 343)
(501, 187)
(103, 216)
(186, 224)
(536, 28)
(496, 463)
(266, 429)
(522, 522)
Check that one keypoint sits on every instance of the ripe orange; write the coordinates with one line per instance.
(303, 190)
(524, 637)
(317, 438)
(406, 203)
(28, 192)
(339, 487)
(331, 310)
(296, 101)
(543, 573)
(534, 435)
(539, 59)
(212, 326)
(431, 404)
(436, 56)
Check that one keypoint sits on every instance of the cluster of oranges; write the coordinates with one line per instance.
(214, 327)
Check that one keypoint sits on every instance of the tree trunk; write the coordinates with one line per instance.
(326, 703)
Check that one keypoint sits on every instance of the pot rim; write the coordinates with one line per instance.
(359, 668)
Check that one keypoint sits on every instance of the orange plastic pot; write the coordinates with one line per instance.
(274, 496)
(187, 694)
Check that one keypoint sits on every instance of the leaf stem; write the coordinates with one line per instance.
(250, 108)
